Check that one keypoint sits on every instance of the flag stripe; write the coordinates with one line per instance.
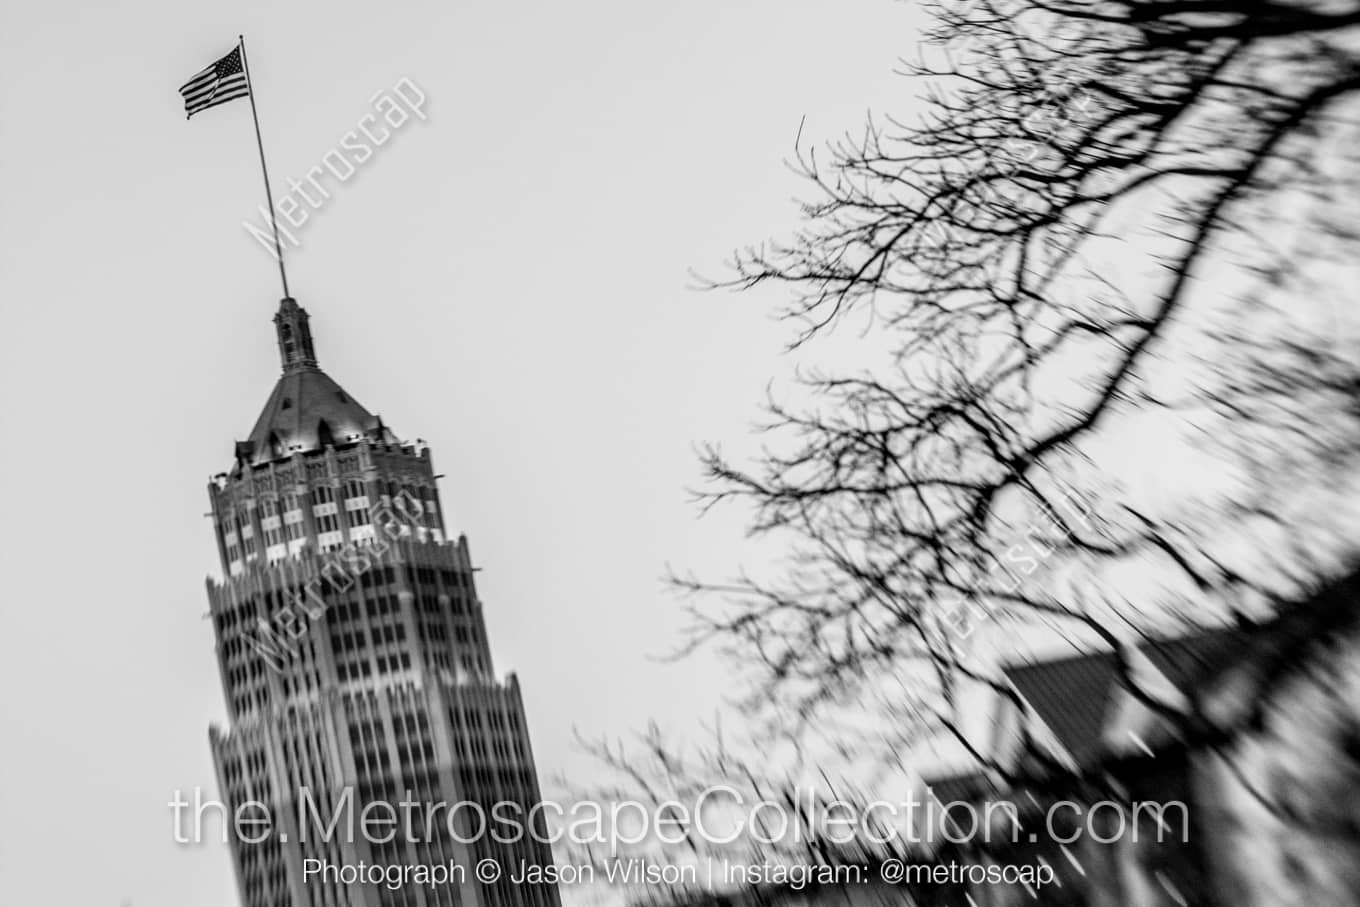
(208, 91)
(215, 88)
(217, 99)
(200, 77)
(197, 86)
(223, 81)
(241, 92)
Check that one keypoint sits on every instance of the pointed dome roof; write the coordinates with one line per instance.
(307, 410)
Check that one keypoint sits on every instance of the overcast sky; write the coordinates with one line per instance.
(506, 280)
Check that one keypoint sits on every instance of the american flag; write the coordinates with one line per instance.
(221, 82)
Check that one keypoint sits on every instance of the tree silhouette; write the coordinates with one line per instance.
(1099, 213)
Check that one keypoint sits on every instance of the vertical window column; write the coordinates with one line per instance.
(324, 511)
(358, 524)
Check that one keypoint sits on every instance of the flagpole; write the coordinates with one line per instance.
(264, 169)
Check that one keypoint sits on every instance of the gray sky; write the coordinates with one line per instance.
(506, 281)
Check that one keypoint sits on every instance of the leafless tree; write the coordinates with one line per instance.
(1100, 219)
(1098, 214)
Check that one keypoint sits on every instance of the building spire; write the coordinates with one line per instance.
(295, 336)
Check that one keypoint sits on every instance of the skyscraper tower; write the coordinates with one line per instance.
(355, 664)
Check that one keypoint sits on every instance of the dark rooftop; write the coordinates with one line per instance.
(307, 409)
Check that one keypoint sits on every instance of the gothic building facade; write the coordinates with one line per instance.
(356, 667)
